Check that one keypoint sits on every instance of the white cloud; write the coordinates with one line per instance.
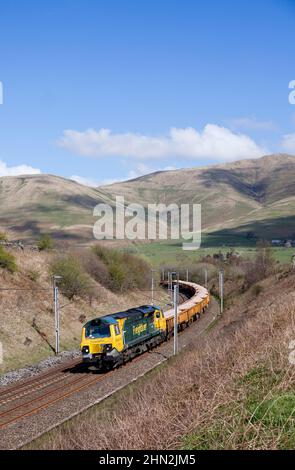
(252, 123)
(142, 169)
(288, 143)
(213, 142)
(17, 170)
(139, 170)
(85, 181)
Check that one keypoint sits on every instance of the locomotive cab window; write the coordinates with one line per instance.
(158, 314)
(98, 330)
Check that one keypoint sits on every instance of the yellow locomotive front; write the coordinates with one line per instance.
(110, 340)
(102, 339)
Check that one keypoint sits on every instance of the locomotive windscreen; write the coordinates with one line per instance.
(97, 329)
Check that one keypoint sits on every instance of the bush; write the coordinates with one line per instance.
(197, 272)
(125, 270)
(7, 261)
(74, 282)
(119, 277)
(264, 261)
(256, 290)
(95, 267)
(33, 275)
(45, 243)
(3, 237)
(262, 266)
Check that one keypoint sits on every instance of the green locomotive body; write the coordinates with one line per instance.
(117, 338)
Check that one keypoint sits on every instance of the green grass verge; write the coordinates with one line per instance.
(264, 413)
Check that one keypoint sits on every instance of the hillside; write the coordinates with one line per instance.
(247, 195)
(237, 198)
(233, 389)
(27, 331)
(33, 204)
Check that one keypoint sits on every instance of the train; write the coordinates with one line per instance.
(114, 339)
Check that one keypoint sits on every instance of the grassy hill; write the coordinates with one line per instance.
(237, 198)
(30, 205)
(247, 195)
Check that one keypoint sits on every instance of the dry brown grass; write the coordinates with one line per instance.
(213, 396)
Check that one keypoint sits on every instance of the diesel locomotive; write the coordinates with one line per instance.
(111, 340)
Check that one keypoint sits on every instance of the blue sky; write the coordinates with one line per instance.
(106, 90)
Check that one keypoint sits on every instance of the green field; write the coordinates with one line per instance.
(161, 253)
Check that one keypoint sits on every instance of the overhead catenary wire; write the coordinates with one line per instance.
(49, 289)
(65, 292)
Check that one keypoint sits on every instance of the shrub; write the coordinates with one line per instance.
(45, 243)
(256, 290)
(3, 237)
(125, 270)
(105, 254)
(95, 267)
(264, 261)
(74, 282)
(33, 275)
(262, 266)
(118, 276)
(7, 261)
(197, 272)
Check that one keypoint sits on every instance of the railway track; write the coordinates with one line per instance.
(35, 386)
(20, 401)
(32, 381)
(23, 410)
(41, 401)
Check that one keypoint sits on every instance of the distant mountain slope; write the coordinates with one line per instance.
(240, 197)
(247, 195)
(34, 204)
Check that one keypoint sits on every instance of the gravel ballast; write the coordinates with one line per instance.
(30, 371)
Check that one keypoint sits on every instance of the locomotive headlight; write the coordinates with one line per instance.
(85, 350)
(107, 347)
